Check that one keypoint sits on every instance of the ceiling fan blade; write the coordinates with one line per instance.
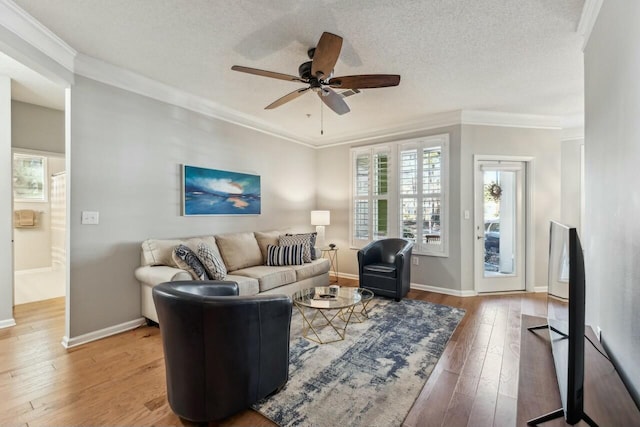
(326, 55)
(365, 81)
(333, 101)
(265, 73)
(288, 97)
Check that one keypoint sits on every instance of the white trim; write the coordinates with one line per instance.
(446, 291)
(495, 118)
(529, 213)
(32, 271)
(432, 121)
(7, 323)
(590, 12)
(539, 289)
(122, 78)
(572, 134)
(102, 333)
(29, 29)
(460, 117)
(426, 288)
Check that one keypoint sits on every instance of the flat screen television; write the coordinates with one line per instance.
(565, 322)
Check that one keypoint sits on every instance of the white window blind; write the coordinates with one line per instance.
(410, 201)
(423, 207)
(371, 180)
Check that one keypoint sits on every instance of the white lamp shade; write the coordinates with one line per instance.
(320, 218)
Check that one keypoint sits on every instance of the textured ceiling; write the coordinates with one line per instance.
(499, 55)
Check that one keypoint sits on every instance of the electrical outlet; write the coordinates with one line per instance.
(90, 217)
(415, 260)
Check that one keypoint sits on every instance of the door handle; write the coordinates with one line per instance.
(480, 237)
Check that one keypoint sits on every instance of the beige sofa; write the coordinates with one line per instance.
(244, 256)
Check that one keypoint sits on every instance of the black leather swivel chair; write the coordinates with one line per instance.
(222, 352)
(385, 267)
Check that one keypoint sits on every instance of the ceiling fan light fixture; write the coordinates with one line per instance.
(324, 57)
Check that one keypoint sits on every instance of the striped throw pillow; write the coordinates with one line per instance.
(298, 239)
(211, 261)
(285, 255)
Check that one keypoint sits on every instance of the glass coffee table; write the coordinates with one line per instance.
(330, 307)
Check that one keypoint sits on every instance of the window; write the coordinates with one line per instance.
(416, 207)
(371, 181)
(422, 193)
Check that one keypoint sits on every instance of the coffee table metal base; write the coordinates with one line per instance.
(314, 324)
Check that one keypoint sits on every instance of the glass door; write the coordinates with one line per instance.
(500, 226)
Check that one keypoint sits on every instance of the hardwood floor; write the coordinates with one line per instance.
(120, 380)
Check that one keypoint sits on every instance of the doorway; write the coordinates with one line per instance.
(500, 224)
(39, 200)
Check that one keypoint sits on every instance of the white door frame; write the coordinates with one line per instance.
(529, 174)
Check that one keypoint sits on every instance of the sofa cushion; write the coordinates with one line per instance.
(211, 261)
(285, 255)
(312, 241)
(268, 277)
(246, 285)
(266, 238)
(311, 269)
(160, 251)
(187, 260)
(298, 239)
(239, 250)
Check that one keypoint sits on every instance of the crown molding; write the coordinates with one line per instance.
(122, 78)
(432, 121)
(495, 118)
(590, 12)
(29, 29)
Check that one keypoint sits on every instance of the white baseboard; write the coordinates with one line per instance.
(599, 333)
(102, 333)
(428, 288)
(540, 288)
(7, 323)
(446, 291)
(33, 270)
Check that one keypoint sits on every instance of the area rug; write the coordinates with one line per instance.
(373, 377)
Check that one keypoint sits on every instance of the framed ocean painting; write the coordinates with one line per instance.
(218, 192)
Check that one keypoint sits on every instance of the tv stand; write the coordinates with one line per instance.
(558, 413)
(606, 399)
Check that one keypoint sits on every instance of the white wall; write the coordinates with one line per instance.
(6, 212)
(571, 186)
(125, 153)
(333, 186)
(541, 144)
(612, 161)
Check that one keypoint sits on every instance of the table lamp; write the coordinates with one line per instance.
(320, 219)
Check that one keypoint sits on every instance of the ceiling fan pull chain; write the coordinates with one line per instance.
(321, 118)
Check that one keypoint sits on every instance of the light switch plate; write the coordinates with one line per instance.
(90, 217)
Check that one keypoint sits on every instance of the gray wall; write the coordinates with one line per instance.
(125, 155)
(333, 192)
(541, 144)
(37, 128)
(612, 159)
(6, 213)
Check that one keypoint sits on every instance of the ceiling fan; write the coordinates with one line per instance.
(318, 74)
